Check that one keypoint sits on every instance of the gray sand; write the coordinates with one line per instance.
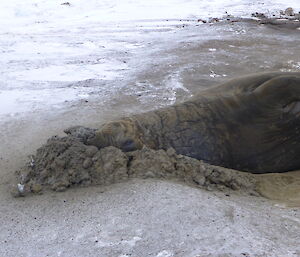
(147, 218)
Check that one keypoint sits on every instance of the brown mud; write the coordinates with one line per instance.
(283, 187)
(67, 162)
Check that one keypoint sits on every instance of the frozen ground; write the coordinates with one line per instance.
(90, 62)
(147, 218)
(48, 50)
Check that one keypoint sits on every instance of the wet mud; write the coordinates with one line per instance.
(68, 162)
(65, 162)
(283, 187)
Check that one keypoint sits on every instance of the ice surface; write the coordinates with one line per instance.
(45, 41)
(26, 12)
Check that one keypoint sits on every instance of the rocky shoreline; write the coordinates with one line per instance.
(288, 19)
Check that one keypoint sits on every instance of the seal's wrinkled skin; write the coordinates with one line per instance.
(250, 123)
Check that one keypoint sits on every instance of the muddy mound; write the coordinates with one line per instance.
(282, 187)
(65, 162)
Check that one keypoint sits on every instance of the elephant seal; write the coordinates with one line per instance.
(250, 124)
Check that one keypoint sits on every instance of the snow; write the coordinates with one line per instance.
(70, 72)
(27, 12)
(45, 41)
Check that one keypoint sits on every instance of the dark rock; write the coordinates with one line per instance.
(289, 11)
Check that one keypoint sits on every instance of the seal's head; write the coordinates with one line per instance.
(123, 134)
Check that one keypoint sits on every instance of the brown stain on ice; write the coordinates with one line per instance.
(281, 187)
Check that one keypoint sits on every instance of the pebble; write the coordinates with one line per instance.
(149, 174)
(36, 188)
(87, 163)
(171, 151)
(59, 187)
(91, 151)
(15, 191)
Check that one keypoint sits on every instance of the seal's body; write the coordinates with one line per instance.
(250, 123)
